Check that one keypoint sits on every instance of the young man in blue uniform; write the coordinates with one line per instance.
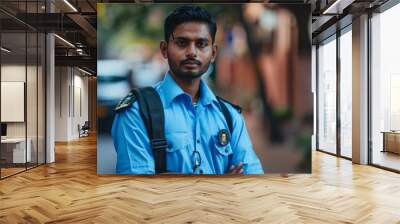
(195, 128)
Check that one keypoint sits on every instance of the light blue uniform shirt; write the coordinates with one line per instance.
(186, 128)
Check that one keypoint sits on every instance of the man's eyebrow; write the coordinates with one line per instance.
(203, 39)
(181, 38)
(186, 39)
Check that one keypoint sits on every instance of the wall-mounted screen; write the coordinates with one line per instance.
(12, 101)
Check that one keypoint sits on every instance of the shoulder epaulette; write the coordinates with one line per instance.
(126, 102)
(237, 107)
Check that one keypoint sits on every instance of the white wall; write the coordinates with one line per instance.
(61, 103)
(80, 100)
(71, 94)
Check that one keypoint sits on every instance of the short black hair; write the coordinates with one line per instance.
(185, 14)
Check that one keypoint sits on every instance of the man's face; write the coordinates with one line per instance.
(189, 50)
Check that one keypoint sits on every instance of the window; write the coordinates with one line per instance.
(346, 93)
(327, 96)
(385, 89)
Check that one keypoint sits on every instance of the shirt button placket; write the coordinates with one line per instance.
(198, 145)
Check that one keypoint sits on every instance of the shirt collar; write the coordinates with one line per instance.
(171, 90)
(206, 94)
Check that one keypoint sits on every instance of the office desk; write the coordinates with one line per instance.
(391, 141)
(13, 150)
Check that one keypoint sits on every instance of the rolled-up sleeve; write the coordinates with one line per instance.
(242, 147)
(131, 142)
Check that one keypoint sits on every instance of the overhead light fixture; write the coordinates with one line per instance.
(5, 49)
(70, 5)
(80, 51)
(84, 71)
(337, 7)
(64, 40)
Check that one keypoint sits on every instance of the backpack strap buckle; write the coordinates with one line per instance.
(159, 144)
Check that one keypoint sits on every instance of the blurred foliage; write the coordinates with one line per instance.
(283, 113)
(303, 142)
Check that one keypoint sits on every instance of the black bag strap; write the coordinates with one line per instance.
(152, 112)
(226, 113)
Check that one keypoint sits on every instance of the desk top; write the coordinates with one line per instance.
(390, 132)
(13, 140)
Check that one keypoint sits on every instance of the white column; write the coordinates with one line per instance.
(360, 90)
(50, 110)
(50, 93)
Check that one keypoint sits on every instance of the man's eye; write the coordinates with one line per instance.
(180, 43)
(201, 44)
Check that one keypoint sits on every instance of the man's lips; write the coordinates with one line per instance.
(191, 64)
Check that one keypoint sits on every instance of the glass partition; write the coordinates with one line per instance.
(13, 105)
(22, 78)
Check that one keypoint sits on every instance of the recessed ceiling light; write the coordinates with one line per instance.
(84, 71)
(64, 40)
(338, 6)
(5, 49)
(70, 5)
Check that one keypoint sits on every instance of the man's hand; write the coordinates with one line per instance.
(238, 169)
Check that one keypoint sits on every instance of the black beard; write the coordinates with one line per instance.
(187, 75)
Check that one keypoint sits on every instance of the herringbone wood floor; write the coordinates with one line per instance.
(70, 191)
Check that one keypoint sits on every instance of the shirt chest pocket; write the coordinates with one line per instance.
(222, 155)
(177, 142)
(221, 150)
(178, 158)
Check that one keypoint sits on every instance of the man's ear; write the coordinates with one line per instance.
(164, 48)
(214, 52)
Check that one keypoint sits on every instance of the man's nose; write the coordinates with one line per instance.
(191, 51)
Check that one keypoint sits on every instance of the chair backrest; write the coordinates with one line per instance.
(86, 125)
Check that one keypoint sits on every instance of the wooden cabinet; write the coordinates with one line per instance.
(391, 141)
